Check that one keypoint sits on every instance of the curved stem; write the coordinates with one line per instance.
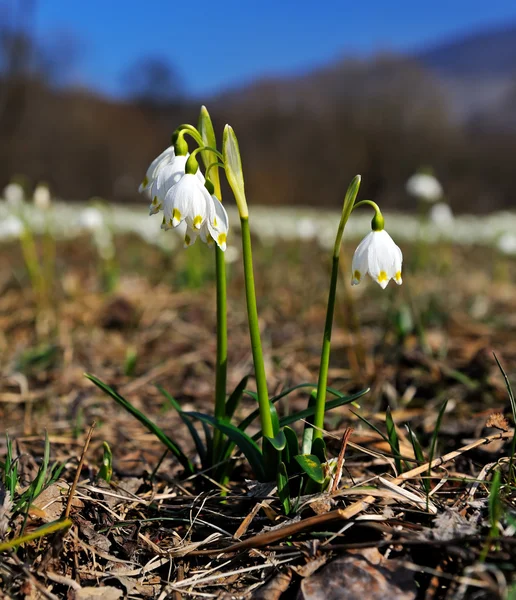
(254, 331)
(207, 149)
(191, 131)
(368, 203)
(210, 166)
(322, 384)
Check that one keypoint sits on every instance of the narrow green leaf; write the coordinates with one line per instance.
(308, 412)
(248, 447)
(435, 436)
(311, 465)
(106, 470)
(418, 453)
(283, 488)
(235, 397)
(199, 446)
(152, 427)
(319, 449)
(279, 441)
(394, 442)
(512, 400)
(292, 446)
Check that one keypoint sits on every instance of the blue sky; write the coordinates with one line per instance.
(216, 48)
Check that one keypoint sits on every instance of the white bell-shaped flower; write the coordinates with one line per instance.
(187, 200)
(424, 186)
(378, 255)
(218, 222)
(165, 157)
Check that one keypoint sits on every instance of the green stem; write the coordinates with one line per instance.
(320, 401)
(254, 331)
(222, 348)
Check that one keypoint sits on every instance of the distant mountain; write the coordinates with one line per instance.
(490, 54)
(478, 74)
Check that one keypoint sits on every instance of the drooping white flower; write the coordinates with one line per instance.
(11, 227)
(14, 194)
(507, 243)
(441, 215)
(91, 218)
(42, 197)
(164, 172)
(166, 156)
(424, 186)
(189, 201)
(378, 255)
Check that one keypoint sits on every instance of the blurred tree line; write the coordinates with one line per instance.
(302, 139)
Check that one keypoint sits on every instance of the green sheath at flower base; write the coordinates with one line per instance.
(234, 173)
(205, 128)
(320, 402)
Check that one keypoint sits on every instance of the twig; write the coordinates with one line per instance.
(78, 472)
(263, 539)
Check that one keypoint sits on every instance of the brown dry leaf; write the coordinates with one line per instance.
(275, 588)
(50, 504)
(347, 578)
(94, 593)
(498, 421)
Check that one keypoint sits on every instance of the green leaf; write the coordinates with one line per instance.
(106, 470)
(205, 127)
(201, 449)
(311, 465)
(249, 448)
(418, 453)
(235, 397)
(278, 442)
(283, 487)
(512, 400)
(152, 427)
(394, 442)
(308, 412)
(319, 449)
(292, 447)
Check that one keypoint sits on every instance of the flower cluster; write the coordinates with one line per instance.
(175, 184)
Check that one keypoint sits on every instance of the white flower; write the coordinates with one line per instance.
(507, 243)
(441, 215)
(166, 156)
(424, 187)
(189, 201)
(10, 227)
(13, 193)
(91, 218)
(42, 197)
(378, 255)
(164, 172)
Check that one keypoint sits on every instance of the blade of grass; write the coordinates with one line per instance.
(512, 400)
(394, 442)
(152, 427)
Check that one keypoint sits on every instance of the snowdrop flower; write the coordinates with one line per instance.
(42, 197)
(441, 215)
(91, 218)
(13, 193)
(378, 255)
(165, 157)
(424, 186)
(11, 227)
(189, 201)
(507, 243)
